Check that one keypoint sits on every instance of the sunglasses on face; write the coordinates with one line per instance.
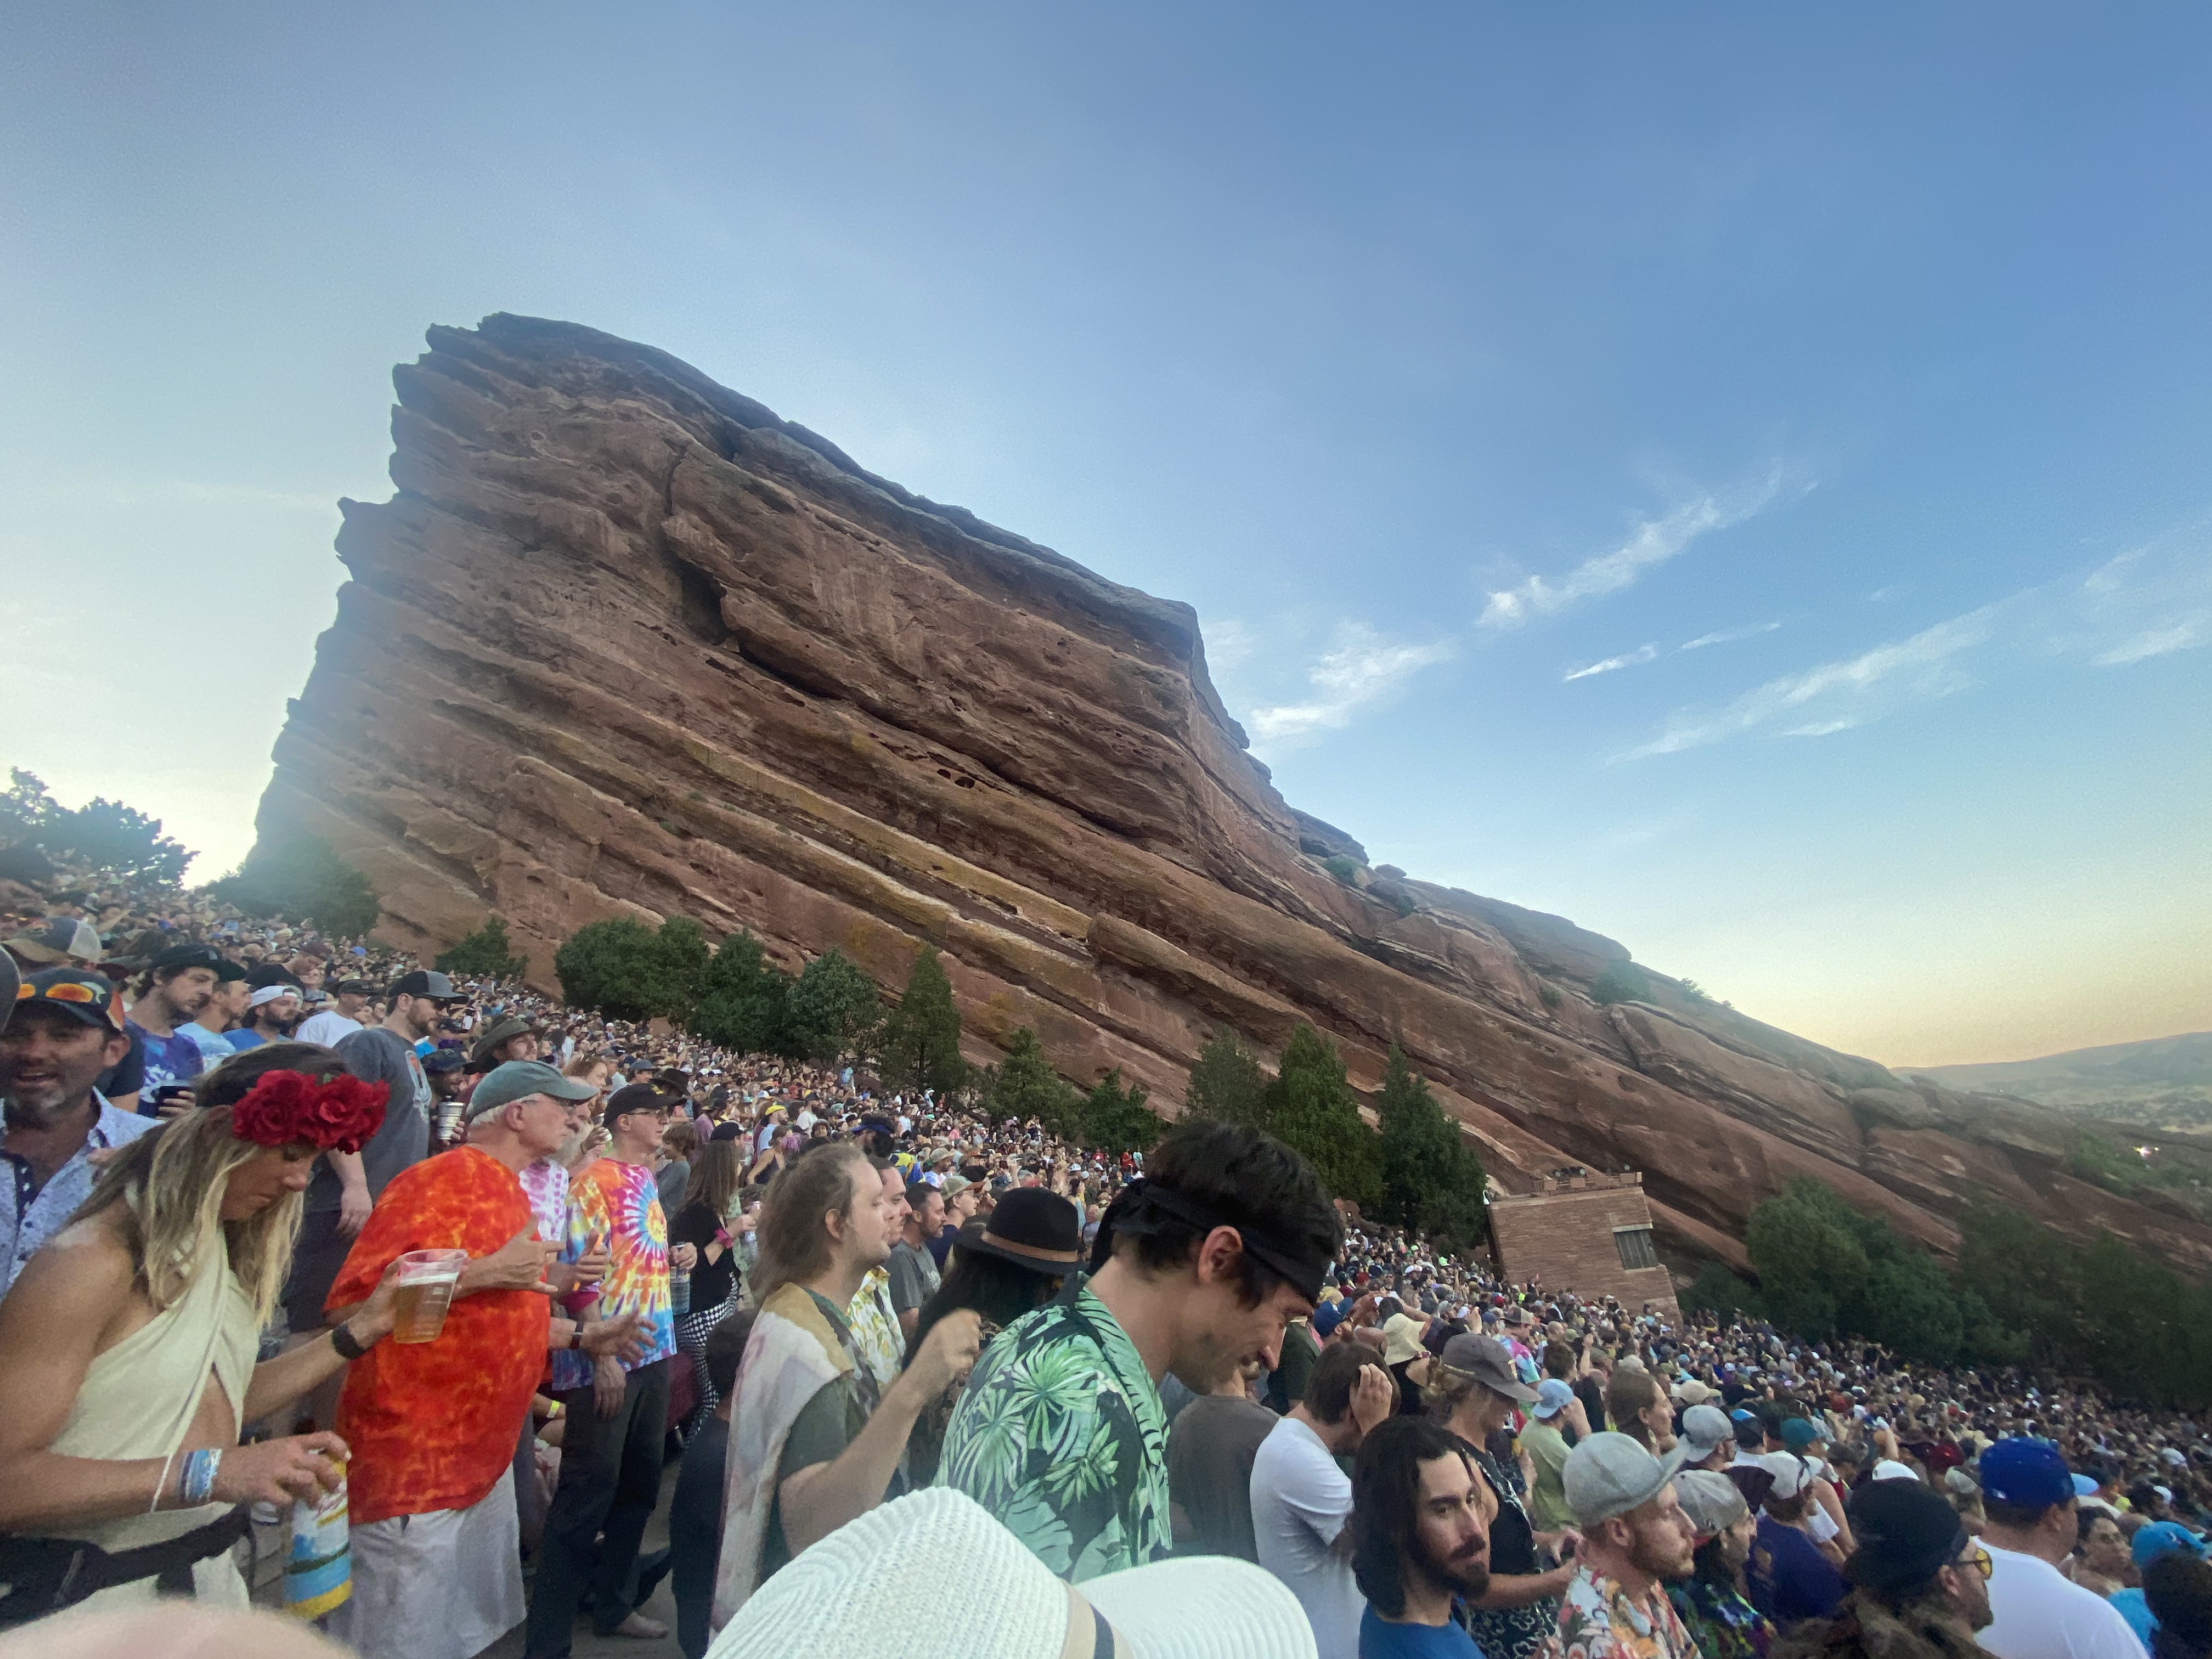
(1978, 1559)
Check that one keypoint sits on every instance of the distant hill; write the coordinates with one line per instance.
(2165, 1083)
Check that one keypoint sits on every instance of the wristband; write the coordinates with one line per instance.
(195, 1485)
(576, 1338)
(349, 1347)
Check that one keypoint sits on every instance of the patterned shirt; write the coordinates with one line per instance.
(1060, 1435)
(1597, 1620)
(31, 1214)
(433, 1425)
(1723, 1624)
(875, 1328)
(545, 1182)
(172, 1058)
(619, 1203)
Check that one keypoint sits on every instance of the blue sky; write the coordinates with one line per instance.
(1732, 475)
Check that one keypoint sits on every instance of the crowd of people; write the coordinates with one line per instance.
(291, 1216)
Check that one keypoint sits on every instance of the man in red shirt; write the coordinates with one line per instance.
(433, 1425)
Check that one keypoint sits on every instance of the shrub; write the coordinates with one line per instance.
(484, 954)
(744, 1001)
(627, 970)
(1345, 870)
(1621, 982)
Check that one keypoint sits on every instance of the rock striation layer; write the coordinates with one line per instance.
(623, 642)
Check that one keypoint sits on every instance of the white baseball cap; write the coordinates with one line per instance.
(875, 1589)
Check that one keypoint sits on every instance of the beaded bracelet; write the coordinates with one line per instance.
(197, 1483)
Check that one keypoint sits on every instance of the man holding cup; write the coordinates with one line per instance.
(433, 1424)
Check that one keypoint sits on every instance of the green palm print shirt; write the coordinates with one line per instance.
(1060, 1435)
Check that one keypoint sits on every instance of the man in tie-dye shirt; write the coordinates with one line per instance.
(618, 1409)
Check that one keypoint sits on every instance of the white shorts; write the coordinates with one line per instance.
(445, 1585)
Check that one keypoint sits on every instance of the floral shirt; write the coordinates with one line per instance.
(1723, 1624)
(875, 1332)
(620, 1203)
(31, 1214)
(1597, 1620)
(1060, 1435)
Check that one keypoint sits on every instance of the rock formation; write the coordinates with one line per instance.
(624, 642)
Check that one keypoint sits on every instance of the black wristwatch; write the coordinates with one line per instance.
(342, 1339)
(576, 1338)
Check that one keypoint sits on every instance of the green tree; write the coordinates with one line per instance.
(1810, 1261)
(1024, 1085)
(1227, 1083)
(1431, 1180)
(627, 970)
(302, 879)
(115, 839)
(1311, 1108)
(484, 954)
(1117, 1120)
(1719, 1290)
(744, 1001)
(836, 1014)
(922, 1036)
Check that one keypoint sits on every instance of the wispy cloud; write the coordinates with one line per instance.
(1653, 542)
(1643, 653)
(2146, 603)
(1361, 669)
(1729, 636)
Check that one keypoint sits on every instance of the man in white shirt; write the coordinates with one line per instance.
(2037, 1612)
(343, 1018)
(1301, 1500)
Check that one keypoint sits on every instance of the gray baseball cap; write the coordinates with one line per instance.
(1609, 1474)
(1711, 1499)
(1704, 1428)
(518, 1079)
(1488, 1361)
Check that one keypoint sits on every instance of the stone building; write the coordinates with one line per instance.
(1590, 1234)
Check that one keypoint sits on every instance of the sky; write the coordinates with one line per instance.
(1735, 476)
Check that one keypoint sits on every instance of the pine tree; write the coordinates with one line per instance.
(744, 1001)
(1117, 1121)
(1311, 1107)
(484, 954)
(922, 1037)
(836, 1014)
(1432, 1181)
(1227, 1083)
(1024, 1085)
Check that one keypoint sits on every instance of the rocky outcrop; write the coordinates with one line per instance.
(624, 642)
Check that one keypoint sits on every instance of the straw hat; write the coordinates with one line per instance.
(875, 1589)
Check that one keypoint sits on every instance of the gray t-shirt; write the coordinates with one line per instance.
(913, 1277)
(1210, 1452)
(376, 1055)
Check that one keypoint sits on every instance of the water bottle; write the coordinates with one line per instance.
(679, 1291)
(319, 1569)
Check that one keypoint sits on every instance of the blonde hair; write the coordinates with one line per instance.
(171, 1184)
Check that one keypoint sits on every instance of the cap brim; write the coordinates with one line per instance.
(1202, 1607)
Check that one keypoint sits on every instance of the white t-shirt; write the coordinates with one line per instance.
(326, 1028)
(2040, 1615)
(1300, 1501)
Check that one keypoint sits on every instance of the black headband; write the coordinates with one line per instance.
(1143, 1207)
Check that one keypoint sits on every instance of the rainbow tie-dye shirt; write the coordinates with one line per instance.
(620, 1203)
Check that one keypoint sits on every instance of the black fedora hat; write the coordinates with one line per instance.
(1031, 1228)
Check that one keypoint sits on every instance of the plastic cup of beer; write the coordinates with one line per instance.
(427, 1278)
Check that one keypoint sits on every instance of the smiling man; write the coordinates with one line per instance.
(1198, 1268)
(62, 1035)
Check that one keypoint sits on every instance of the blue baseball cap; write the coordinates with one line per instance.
(2025, 1471)
(2164, 1538)
(1326, 1317)
(1551, 1396)
(1740, 1415)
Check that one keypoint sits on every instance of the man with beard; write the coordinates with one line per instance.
(1712, 1601)
(1921, 1583)
(273, 1002)
(178, 983)
(1420, 1539)
(1634, 1537)
(63, 1033)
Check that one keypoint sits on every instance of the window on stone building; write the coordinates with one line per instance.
(1634, 1244)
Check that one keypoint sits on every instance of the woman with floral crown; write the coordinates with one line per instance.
(127, 1348)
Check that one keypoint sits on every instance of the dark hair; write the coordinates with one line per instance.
(2179, 1587)
(1335, 1374)
(996, 1290)
(917, 1194)
(1558, 1360)
(1386, 1492)
(726, 1349)
(1628, 1393)
(1247, 1178)
(2020, 1515)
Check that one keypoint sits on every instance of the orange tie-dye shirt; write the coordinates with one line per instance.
(433, 1425)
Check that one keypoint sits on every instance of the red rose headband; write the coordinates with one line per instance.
(286, 1108)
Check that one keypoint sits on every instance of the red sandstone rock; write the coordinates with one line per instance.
(625, 644)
